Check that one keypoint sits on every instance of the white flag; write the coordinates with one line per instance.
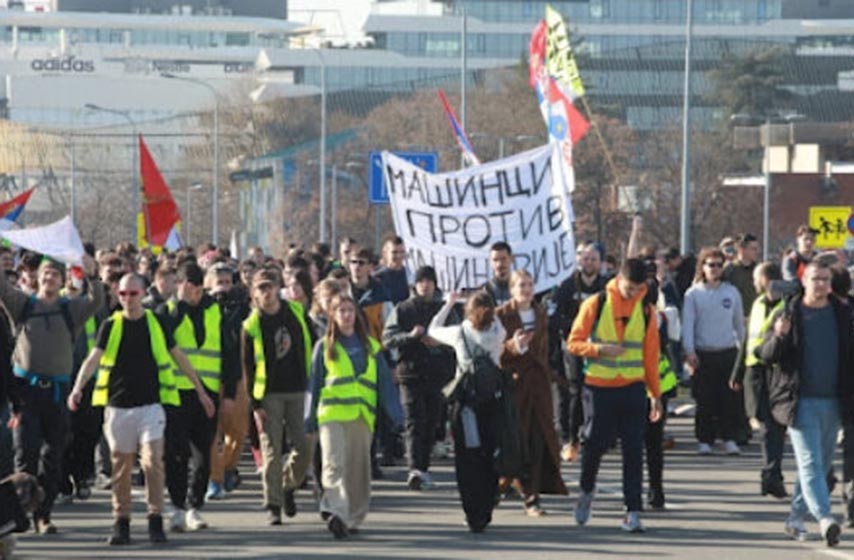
(59, 240)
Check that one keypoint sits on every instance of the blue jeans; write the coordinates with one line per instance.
(813, 436)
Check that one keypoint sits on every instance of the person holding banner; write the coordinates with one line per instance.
(43, 358)
(528, 360)
(473, 425)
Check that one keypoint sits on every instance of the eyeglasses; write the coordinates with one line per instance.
(360, 262)
(129, 293)
(716, 264)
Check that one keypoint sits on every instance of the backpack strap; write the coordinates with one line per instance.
(601, 295)
(64, 310)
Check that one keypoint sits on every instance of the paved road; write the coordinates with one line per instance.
(714, 513)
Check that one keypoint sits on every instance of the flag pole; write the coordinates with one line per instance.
(608, 157)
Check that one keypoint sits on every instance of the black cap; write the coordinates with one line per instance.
(426, 273)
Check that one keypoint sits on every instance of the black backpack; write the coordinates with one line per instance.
(484, 379)
(27, 313)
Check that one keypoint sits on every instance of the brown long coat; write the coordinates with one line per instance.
(533, 396)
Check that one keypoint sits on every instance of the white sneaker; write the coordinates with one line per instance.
(178, 521)
(704, 449)
(632, 523)
(797, 529)
(194, 521)
(829, 530)
(415, 480)
(731, 448)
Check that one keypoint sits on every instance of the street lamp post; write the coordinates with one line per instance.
(134, 168)
(322, 145)
(189, 207)
(215, 189)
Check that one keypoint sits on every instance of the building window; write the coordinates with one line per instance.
(600, 9)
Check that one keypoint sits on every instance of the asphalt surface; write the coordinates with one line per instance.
(714, 512)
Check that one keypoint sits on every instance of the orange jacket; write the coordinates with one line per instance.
(579, 343)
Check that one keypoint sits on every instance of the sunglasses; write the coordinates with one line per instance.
(129, 293)
(716, 264)
(360, 262)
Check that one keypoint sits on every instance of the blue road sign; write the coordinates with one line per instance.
(378, 191)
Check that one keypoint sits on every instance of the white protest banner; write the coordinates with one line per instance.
(58, 240)
(450, 220)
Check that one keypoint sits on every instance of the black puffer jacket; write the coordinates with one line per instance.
(784, 356)
(416, 360)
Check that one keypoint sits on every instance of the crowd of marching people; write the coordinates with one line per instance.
(156, 370)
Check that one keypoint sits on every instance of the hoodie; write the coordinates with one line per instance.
(579, 342)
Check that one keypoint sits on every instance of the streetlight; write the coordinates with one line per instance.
(215, 189)
(134, 169)
(189, 207)
(319, 53)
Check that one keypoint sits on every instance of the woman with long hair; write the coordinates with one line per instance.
(324, 291)
(713, 327)
(475, 437)
(350, 381)
(526, 355)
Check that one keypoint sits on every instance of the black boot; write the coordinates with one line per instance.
(121, 532)
(155, 529)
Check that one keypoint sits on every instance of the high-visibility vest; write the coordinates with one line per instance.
(346, 396)
(757, 326)
(165, 377)
(207, 359)
(90, 327)
(667, 377)
(252, 326)
(629, 365)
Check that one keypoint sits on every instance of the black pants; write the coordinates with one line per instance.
(611, 412)
(422, 403)
(79, 458)
(719, 413)
(7, 453)
(40, 438)
(188, 432)
(477, 477)
(654, 443)
(571, 400)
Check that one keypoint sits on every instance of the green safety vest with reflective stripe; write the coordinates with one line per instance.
(90, 327)
(757, 326)
(252, 326)
(207, 360)
(165, 376)
(667, 377)
(629, 365)
(346, 396)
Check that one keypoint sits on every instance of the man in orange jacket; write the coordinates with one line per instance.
(617, 335)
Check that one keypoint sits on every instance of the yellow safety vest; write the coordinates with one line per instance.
(346, 396)
(90, 327)
(207, 360)
(629, 365)
(757, 326)
(165, 377)
(252, 326)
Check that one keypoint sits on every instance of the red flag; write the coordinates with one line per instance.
(158, 206)
(11, 209)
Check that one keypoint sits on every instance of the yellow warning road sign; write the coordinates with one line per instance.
(830, 223)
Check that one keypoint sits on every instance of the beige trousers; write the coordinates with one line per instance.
(151, 461)
(346, 451)
(284, 412)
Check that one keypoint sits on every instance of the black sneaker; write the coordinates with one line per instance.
(83, 492)
(774, 488)
(274, 515)
(121, 532)
(337, 528)
(290, 504)
(155, 529)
